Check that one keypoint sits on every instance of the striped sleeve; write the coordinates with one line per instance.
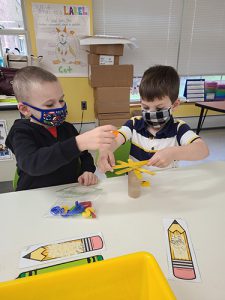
(127, 129)
(185, 135)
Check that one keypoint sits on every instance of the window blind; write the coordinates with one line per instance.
(202, 44)
(186, 34)
(156, 26)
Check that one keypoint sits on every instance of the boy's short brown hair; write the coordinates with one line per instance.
(160, 81)
(28, 76)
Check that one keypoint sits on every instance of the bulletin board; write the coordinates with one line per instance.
(75, 89)
(57, 28)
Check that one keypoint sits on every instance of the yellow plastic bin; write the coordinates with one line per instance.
(133, 277)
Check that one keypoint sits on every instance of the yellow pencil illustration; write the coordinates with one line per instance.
(65, 249)
(182, 263)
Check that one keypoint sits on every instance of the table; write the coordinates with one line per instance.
(208, 105)
(195, 194)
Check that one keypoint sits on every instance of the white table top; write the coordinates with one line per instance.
(195, 194)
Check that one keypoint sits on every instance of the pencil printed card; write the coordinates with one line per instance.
(180, 253)
(60, 250)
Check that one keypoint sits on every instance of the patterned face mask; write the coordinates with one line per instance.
(157, 118)
(50, 117)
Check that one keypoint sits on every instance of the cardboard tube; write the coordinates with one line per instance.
(134, 185)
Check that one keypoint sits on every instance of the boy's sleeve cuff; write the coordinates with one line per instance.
(70, 149)
(125, 138)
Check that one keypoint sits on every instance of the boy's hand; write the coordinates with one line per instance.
(194, 151)
(105, 161)
(88, 178)
(162, 158)
(98, 138)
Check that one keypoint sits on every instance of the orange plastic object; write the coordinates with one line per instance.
(115, 132)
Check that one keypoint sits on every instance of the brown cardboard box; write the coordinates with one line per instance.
(116, 119)
(96, 59)
(108, 49)
(112, 99)
(111, 76)
(114, 122)
(112, 116)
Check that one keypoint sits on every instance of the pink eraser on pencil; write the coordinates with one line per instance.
(184, 273)
(96, 242)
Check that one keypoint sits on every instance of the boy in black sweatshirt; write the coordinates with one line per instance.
(49, 151)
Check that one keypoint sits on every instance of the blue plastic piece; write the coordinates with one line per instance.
(76, 210)
(56, 210)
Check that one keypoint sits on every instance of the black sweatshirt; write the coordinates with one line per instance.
(43, 160)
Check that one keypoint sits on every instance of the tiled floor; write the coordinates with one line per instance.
(215, 139)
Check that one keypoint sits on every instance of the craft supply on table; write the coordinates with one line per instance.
(134, 170)
(84, 209)
(134, 185)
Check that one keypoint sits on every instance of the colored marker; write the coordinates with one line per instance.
(182, 263)
(65, 249)
(62, 266)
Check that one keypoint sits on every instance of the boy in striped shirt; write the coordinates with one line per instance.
(156, 136)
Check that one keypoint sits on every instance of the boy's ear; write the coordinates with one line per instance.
(176, 103)
(24, 110)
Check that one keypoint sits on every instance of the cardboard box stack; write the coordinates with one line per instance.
(111, 83)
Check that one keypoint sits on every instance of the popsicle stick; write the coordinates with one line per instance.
(123, 171)
(146, 171)
(138, 174)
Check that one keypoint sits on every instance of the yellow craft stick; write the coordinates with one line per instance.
(146, 171)
(122, 162)
(137, 163)
(119, 167)
(123, 171)
(131, 164)
(145, 183)
(138, 174)
(141, 163)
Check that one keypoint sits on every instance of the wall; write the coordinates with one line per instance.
(78, 89)
(8, 167)
(75, 89)
(189, 113)
(183, 110)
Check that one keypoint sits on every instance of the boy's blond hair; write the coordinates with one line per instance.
(28, 76)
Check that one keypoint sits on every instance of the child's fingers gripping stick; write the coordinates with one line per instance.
(106, 161)
(96, 138)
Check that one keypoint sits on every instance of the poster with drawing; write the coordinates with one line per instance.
(57, 27)
(5, 153)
